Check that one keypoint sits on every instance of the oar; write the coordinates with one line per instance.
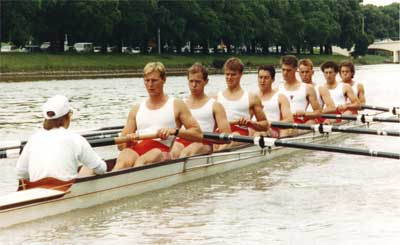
(361, 118)
(101, 129)
(99, 142)
(89, 136)
(393, 110)
(269, 142)
(321, 128)
(120, 140)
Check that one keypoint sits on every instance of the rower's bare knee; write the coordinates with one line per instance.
(126, 159)
(154, 155)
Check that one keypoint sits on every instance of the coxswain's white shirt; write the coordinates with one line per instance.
(57, 153)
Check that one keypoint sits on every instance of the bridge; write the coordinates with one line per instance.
(386, 45)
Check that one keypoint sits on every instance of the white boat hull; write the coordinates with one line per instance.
(91, 191)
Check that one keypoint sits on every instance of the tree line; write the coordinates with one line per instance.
(287, 25)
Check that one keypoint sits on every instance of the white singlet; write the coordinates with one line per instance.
(235, 108)
(57, 153)
(355, 90)
(205, 116)
(271, 108)
(297, 98)
(150, 121)
(337, 95)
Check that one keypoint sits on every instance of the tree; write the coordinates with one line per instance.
(18, 20)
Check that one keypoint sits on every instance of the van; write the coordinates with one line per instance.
(83, 47)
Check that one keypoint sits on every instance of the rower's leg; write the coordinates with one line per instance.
(176, 149)
(194, 149)
(126, 159)
(154, 155)
(85, 171)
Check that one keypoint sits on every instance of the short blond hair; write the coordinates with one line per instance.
(234, 64)
(306, 62)
(155, 66)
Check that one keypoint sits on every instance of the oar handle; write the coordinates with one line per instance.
(125, 139)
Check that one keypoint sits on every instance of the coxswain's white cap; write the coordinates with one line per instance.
(56, 107)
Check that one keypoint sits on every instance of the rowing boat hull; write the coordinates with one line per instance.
(94, 190)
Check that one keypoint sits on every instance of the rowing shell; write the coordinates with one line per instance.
(90, 191)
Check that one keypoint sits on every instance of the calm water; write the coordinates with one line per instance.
(310, 198)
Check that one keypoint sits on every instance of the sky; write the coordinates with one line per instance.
(380, 2)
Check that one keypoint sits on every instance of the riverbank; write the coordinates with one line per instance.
(44, 66)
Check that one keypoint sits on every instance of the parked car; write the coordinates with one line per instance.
(45, 46)
(83, 47)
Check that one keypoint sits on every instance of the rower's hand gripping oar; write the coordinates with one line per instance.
(269, 142)
(321, 128)
(361, 118)
(393, 110)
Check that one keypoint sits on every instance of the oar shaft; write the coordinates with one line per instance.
(361, 118)
(321, 128)
(393, 110)
(262, 142)
(338, 149)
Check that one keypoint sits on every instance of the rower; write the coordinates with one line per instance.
(54, 151)
(347, 71)
(340, 93)
(207, 111)
(306, 71)
(157, 113)
(240, 105)
(275, 105)
(300, 95)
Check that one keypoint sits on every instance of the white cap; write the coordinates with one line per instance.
(57, 104)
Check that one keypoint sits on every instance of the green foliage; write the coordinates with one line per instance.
(218, 63)
(287, 24)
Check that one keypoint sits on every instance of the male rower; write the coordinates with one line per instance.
(300, 95)
(347, 71)
(275, 105)
(158, 113)
(240, 105)
(209, 113)
(56, 152)
(306, 71)
(341, 93)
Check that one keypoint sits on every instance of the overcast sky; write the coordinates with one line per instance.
(380, 2)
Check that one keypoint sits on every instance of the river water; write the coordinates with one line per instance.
(310, 198)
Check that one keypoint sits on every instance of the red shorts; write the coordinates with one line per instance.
(320, 120)
(354, 111)
(187, 142)
(301, 119)
(147, 145)
(240, 130)
(338, 113)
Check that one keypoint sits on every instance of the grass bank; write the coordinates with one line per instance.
(18, 66)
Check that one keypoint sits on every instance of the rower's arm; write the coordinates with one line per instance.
(191, 130)
(354, 103)
(220, 118)
(256, 106)
(130, 126)
(361, 94)
(284, 106)
(312, 99)
(326, 97)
